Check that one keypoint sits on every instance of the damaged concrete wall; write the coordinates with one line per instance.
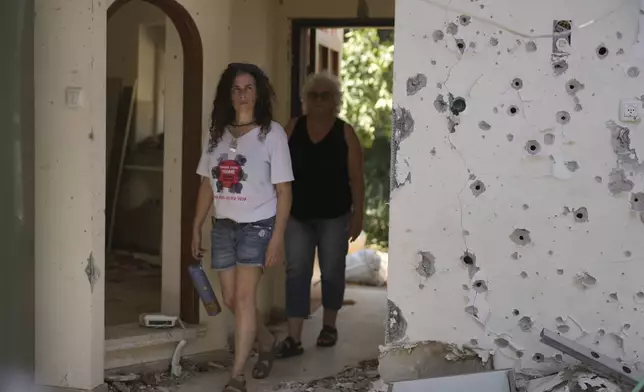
(517, 191)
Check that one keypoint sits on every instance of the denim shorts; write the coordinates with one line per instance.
(242, 244)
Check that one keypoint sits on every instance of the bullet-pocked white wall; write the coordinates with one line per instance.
(523, 211)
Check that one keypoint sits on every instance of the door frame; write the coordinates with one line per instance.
(191, 137)
(298, 42)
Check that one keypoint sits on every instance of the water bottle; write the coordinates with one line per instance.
(204, 289)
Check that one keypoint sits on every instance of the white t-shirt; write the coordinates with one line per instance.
(243, 180)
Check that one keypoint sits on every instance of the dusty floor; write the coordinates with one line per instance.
(132, 287)
(351, 365)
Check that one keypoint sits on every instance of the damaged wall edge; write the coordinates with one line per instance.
(418, 360)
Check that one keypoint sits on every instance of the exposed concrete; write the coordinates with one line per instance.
(425, 360)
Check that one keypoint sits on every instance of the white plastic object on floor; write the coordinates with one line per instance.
(497, 381)
(150, 320)
(367, 266)
(175, 365)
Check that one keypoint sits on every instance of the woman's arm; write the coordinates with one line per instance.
(356, 178)
(205, 198)
(284, 199)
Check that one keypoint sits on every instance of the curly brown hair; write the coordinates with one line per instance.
(223, 112)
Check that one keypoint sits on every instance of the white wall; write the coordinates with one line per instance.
(435, 213)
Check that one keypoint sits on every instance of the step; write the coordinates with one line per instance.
(131, 344)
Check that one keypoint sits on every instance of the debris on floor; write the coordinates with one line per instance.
(362, 378)
(160, 381)
(578, 379)
(368, 267)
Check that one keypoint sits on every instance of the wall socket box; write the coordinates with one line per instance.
(629, 110)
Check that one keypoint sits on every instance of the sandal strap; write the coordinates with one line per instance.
(235, 385)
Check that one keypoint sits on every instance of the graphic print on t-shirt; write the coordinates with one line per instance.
(229, 174)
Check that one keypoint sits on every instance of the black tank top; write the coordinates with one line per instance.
(321, 189)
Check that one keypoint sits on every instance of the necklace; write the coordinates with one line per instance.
(242, 125)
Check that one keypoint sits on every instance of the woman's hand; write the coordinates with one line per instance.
(275, 251)
(355, 226)
(197, 250)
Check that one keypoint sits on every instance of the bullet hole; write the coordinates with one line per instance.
(533, 147)
(626, 327)
(601, 332)
(517, 84)
(602, 51)
(484, 126)
(468, 259)
(403, 124)
(572, 166)
(618, 35)
(563, 117)
(515, 256)
(598, 179)
(494, 41)
(466, 232)
(510, 137)
(563, 328)
(515, 312)
(464, 20)
(480, 286)
(530, 46)
(525, 323)
(396, 323)
(633, 72)
(501, 342)
(594, 354)
(586, 279)
(550, 253)
(549, 139)
(573, 86)
(472, 310)
(477, 188)
(460, 44)
(628, 253)
(426, 266)
(452, 28)
(521, 237)
(438, 35)
(433, 151)
(524, 275)
(581, 215)
(637, 201)
(513, 110)
(465, 287)
(474, 342)
(433, 62)
(618, 183)
(560, 271)
(560, 67)
(613, 296)
(440, 104)
(416, 83)
(458, 106)
(538, 357)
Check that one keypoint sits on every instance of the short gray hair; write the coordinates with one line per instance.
(327, 79)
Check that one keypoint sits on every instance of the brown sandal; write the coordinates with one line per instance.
(265, 361)
(235, 385)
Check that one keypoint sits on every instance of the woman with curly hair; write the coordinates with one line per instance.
(246, 170)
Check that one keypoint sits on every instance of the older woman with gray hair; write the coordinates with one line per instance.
(327, 210)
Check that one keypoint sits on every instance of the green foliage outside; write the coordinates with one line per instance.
(367, 79)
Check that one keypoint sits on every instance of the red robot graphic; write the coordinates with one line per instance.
(229, 173)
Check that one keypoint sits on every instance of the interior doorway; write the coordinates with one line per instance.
(154, 66)
(359, 52)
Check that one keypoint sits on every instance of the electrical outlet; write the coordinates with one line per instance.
(629, 110)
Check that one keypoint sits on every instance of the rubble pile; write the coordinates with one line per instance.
(160, 381)
(362, 378)
(569, 380)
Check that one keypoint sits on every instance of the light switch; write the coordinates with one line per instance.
(73, 97)
(629, 110)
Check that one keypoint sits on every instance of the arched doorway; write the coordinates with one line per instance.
(191, 136)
